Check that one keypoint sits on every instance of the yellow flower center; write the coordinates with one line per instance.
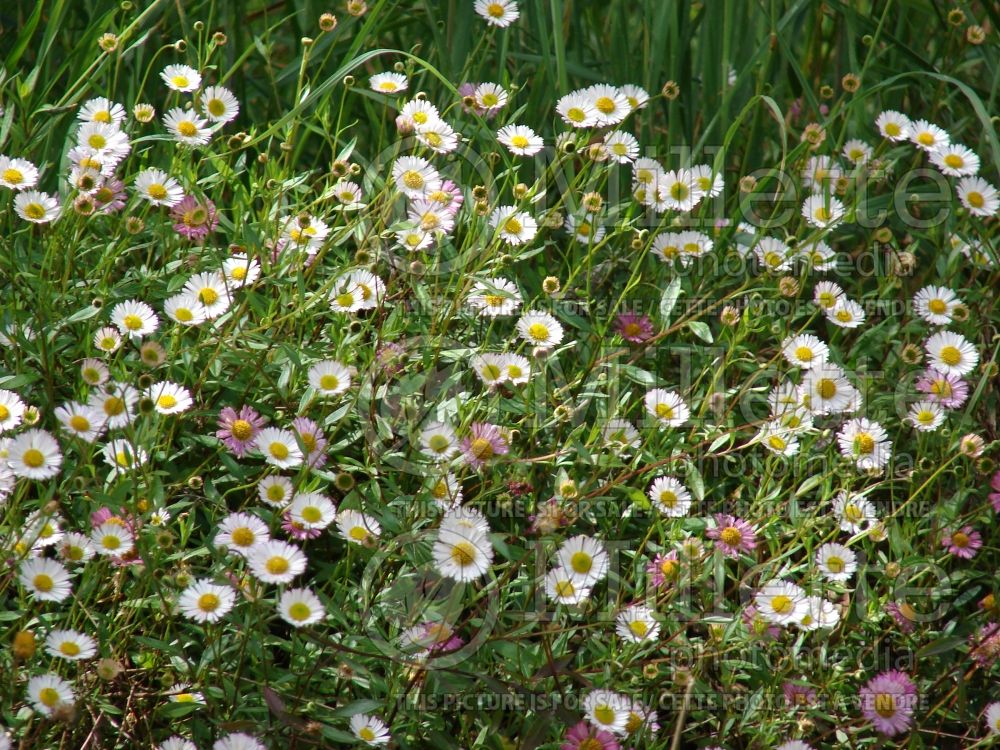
(132, 322)
(782, 604)
(358, 533)
(277, 565)
(110, 541)
(481, 448)
(113, 406)
(893, 129)
(33, 458)
(664, 411)
(208, 602)
(512, 226)
(853, 513)
(366, 733)
(581, 562)
(13, 176)
(937, 306)
(156, 191)
(975, 198)
(604, 714)
(48, 697)
(275, 493)
(565, 589)
(69, 648)
(180, 81)
(950, 355)
(960, 539)
(243, 537)
(495, 10)
(538, 331)
(826, 388)
(413, 179)
(241, 429)
(387, 85)
(43, 582)
(605, 104)
(777, 442)
(299, 611)
(576, 114)
(954, 161)
(216, 107)
(731, 536)
(279, 450)
(34, 210)
(926, 139)
(679, 191)
(491, 372)
(519, 141)
(885, 705)
(864, 444)
(668, 499)
(463, 554)
(312, 514)
(97, 141)
(329, 382)
(639, 628)
(79, 423)
(166, 401)
(835, 564)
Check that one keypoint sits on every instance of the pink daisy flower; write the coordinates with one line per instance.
(636, 329)
(888, 701)
(948, 390)
(110, 197)
(985, 644)
(311, 436)
(963, 543)
(758, 626)
(995, 495)
(238, 429)
(903, 614)
(798, 695)
(194, 219)
(456, 199)
(582, 736)
(732, 535)
(296, 530)
(662, 569)
(485, 441)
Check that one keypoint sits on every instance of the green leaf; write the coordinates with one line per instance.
(669, 300)
(701, 330)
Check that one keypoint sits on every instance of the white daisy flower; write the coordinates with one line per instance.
(107, 339)
(186, 309)
(49, 692)
(620, 435)
(17, 174)
(169, 398)
(836, 562)
(820, 173)
(894, 125)
(414, 240)
(610, 102)
(955, 160)
(773, 254)
(518, 368)
(513, 226)
(857, 151)
(419, 112)
(992, 717)
(670, 496)
(826, 295)
(926, 416)
(11, 410)
(312, 510)
(846, 314)
(439, 441)
(585, 230)
(621, 147)
(357, 528)
(678, 190)
(186, 127)
(211, 290)
(927, 136)
(238, 741)
(204, 601)
(81, 420)
(388, 83)
(584, 558)
(241, 532)
(415, 177)
(70, 645)
(462, 554)
(134, 318)
(370, 729)
(667, 407)
(637, 96)
(865, 442)
(562, 587)
(636, 624)
(275, 561)
(936, 304)
(577, 110)
(520, 140)
(36, 207)
(978, 196)
(112, 539)
(853, 512)
(490, 97)
(76, 548)
(329, 377)
(606, 710)
(494, 297)
(804, 350)
(827, 389)
(438, 136)
(499, 13)
(300, 607)
(158, 188)
(951, 353)
(823, 212)
(780, 602)
(45, 579)
(275, 491)
(489, 367)
(778, 437)
(819, 613)
(219, 104)
(540, 329)
(122, 456)
(103, 142)
(181, 78)
(34, 454)
(708, 181)
(117, 403)
(279, 447)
